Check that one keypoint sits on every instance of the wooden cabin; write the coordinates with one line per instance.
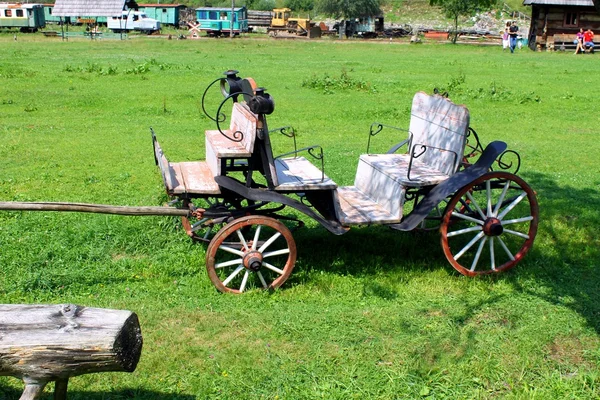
(557, 21)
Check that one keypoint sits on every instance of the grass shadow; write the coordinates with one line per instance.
(7, 393)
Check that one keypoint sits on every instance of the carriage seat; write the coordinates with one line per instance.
(436, 142)
(191, 177)
(243, 124)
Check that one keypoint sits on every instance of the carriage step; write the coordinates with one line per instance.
(354, 207)
(193, 177)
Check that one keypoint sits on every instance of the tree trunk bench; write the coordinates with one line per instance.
(44, 343)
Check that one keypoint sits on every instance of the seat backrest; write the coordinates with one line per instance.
(243, 120)
(441, 126)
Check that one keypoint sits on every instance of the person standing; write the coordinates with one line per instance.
(579, 41)
(513, 32)
(588, 40)
(505, 37)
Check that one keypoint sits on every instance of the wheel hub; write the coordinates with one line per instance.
(253, 260)
(493, 227)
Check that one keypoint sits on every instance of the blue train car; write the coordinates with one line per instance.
(166, 14)
(217, 21)
(26, 17)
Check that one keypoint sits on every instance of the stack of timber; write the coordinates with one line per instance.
(44, 343)
(259, 18)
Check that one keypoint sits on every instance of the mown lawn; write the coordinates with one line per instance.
(371, 314)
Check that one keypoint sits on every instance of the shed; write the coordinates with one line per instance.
(91, 8)
(167, 14)
(560, 17)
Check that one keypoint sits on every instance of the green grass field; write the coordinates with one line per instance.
(374, 313)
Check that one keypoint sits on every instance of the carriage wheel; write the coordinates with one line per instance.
(251, 252)
(490, 224)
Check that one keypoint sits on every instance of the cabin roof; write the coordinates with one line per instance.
(576, 3)
(161, 5)
(90, 8)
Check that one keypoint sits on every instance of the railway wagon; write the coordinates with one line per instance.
(25, 17)
(217, 21)
(51, 19)
(166, 14)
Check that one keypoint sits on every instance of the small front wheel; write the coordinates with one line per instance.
(251, 252)
(490, 224)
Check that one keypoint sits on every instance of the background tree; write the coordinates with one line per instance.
(349, 8)
(300, 5)
(461, 8)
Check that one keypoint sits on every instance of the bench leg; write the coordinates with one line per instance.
(33, 390)
(60, 389)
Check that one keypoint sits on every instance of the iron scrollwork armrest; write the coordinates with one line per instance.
(377, 127)
(287, 131)
(419, 149)
(314, 154)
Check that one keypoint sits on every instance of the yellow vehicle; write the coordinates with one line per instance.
(282, 22)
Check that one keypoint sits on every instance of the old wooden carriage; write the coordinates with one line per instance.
(487, 217)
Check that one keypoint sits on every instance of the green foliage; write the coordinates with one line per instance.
(328, 85)
(300, 5)
(347, 9)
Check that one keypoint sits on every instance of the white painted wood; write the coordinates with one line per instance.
(380, 186)
(354, 207)
(298, 173)
(395, 166)
(442, 126)
(197, 177)
(243, 124)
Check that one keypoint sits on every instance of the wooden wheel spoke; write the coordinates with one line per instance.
(488, 190)
(492, 255)
(232, 250)
(256, 237)
(501, 199)
(478, 254)
(469, 245)
(262, 280)
(229, 263)
(517, 220)
(269, 242)
(474, 203)
(276, 253)
(244, 281)
(242, 239)
(273, 268)
(465, 230)
(519, 234)
(512, 205)
(508, 253)
(467, 218)
(233, 275)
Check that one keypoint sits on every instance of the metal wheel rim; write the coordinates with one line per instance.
(274, 241)
(502, 209)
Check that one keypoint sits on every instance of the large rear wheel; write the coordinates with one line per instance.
(490, 224)
(251, 252)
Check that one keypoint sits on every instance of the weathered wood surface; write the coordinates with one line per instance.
(299, 174)
(93, 208)
(43, 343)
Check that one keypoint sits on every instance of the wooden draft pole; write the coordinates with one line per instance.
(44, 343)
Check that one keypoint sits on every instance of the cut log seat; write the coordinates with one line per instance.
(43, 343)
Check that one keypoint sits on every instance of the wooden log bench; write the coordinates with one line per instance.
(45, 343)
